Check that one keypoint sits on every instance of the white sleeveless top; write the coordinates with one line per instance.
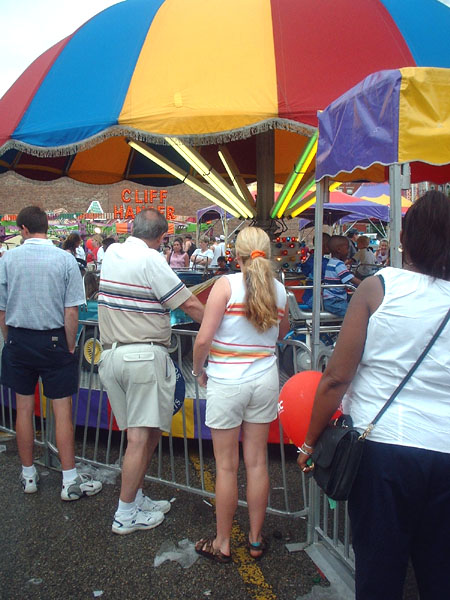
(239, 351)
(398, 331)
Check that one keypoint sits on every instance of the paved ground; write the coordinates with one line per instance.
(55, 550)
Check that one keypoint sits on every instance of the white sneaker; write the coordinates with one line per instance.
(29, 484)
(140, 519)
(150, 505)
(82, 485)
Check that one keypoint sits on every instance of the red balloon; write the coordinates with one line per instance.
(295, 404)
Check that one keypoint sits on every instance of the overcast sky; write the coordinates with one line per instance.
(29, 27)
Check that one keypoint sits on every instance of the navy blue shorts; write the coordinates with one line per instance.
(29, 354)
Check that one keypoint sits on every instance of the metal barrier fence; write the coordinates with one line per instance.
(184, 462)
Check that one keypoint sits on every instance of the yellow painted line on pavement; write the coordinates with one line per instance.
(251, 574)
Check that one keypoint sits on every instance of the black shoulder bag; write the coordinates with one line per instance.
(338, 450)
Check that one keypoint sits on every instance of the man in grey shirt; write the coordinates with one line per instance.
(40, 291)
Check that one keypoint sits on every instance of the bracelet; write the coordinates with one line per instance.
(308, 446)
(304, 452)
(197, 374)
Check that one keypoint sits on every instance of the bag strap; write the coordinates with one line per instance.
(407, 376)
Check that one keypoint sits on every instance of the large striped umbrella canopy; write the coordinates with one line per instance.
(208, 73)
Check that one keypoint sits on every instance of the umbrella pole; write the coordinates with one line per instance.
(265, 166)
(322, 196)
(395, 214)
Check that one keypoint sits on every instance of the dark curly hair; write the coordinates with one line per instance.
(71, 242)
(426, 234)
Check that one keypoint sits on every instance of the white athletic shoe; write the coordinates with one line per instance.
(82, 485)
(29, 484)
(150, 505)
(139, 520)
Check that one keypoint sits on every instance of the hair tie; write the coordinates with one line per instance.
(257, 253)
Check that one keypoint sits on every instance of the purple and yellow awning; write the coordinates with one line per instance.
(397, 116)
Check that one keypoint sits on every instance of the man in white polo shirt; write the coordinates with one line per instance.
(137, 291)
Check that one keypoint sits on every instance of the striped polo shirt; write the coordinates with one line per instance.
(336, 273)
(238, 350)
(137, 291)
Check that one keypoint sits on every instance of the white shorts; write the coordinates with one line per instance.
(140, 382)
(255, 401)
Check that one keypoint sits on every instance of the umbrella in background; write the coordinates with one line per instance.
(356, 210)
(207, 73)
(380, 193)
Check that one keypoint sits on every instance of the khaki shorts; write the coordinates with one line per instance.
(140, 382)
(255, 401)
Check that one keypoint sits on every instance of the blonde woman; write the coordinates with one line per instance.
(244, 316)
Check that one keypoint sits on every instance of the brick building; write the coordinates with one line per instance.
(71, 196)
(17, 192)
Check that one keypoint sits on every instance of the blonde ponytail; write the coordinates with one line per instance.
(253, 249)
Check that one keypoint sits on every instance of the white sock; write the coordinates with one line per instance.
(69, 475)
(28, 472)
(139, 497)
(126, 508)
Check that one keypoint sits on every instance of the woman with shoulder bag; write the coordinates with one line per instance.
(399, 501)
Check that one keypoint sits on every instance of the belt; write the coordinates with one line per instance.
(117, 344)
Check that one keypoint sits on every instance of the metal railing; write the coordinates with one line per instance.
(184, 457)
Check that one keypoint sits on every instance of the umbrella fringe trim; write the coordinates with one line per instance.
(56, 181)
(221, 137)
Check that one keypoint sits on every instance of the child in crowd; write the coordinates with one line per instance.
(106, 243)
(382, 254)
(335, 299)
(222, 266)
(189, 245)
(307, 268)
(365, 258)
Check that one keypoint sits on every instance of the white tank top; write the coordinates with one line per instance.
(238, 350)
(398, 331)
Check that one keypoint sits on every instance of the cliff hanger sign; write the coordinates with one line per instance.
(134, 202)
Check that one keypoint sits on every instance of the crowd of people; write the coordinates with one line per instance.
(183, 254)
(137, 290)
(88, 253)
(346, 259)
(399, 503)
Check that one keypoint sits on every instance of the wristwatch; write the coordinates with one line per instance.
(197, 374)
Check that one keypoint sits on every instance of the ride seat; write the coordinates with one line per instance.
(299, 314)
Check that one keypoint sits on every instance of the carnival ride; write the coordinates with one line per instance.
(104, 112)
(101, 113)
